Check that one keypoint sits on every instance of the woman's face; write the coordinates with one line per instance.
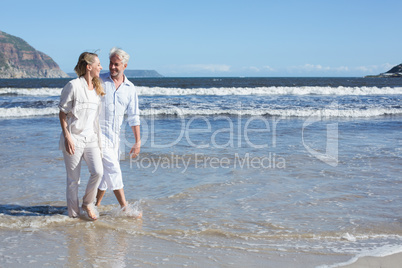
(96, 67)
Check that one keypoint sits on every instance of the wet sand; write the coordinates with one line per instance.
(391, 261)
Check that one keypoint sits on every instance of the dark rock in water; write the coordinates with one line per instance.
(20, 60)
(396, 71)
(17, 210)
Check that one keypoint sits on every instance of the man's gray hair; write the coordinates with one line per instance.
(119, 53)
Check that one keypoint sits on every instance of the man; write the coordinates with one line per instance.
(121, 96)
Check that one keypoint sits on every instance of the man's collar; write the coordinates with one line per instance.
(125, 79)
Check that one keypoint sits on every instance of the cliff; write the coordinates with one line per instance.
(395, 71)
(20, 60)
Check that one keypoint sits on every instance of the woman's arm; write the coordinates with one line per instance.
(68, 142)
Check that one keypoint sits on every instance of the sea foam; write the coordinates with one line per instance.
(301, 112)
(222, 91)
(162, 91)
(18, 112)
(31, 91)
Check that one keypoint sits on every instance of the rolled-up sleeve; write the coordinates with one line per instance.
(67, 98)
(133, 110)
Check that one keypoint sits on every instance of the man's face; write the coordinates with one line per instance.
(116, 66)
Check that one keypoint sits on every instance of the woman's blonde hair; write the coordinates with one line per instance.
(81, 69)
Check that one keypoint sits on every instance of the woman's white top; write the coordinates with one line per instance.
(91, 113)
(82, 107)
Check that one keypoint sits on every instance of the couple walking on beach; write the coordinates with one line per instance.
(92, 109)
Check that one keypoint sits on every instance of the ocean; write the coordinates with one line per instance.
(233, 172)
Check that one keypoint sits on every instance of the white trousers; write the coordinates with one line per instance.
(112, 177)
(92, 156)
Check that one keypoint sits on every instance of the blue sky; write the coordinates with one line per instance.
(217, 38)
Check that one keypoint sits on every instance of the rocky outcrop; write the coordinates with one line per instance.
(396, 71)
(20, 60)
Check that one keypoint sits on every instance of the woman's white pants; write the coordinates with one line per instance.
(92, 156)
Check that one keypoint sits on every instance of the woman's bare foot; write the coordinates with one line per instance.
(90, 212)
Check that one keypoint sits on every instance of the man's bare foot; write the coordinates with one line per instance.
(90, 212)
(128, 211)
(139, 216)
(99, 197)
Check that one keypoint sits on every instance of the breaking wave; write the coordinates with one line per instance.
(18, 112)
(163, 91)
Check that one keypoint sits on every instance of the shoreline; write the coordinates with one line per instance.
(389, 261)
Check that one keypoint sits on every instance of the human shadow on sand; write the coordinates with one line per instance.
(17, 210)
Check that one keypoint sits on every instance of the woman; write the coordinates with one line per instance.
(80, 138)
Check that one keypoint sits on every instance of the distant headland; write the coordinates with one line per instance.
(396, 71)
(18, 59)
(133, 74)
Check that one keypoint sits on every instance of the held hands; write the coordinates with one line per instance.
(135, 150)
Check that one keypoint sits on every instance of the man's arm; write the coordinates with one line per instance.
(135, 150)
